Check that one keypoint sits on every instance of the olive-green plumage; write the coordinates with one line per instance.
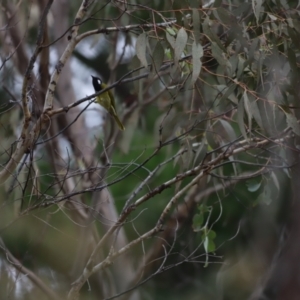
(106, 100)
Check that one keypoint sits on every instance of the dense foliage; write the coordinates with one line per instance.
(190, 200)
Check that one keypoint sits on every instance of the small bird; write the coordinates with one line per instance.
(106, 100)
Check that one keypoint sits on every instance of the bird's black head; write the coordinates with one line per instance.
(97, 83)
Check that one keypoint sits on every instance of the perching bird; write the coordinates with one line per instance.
(106, 100)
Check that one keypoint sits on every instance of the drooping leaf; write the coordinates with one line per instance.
(229, 93)
(158, 57)
(180, 43)
(257, 8)
(224, 16)
(196, 24)
(140, 48)
(242, 9)
(218, 54)
(292, 122)
(240, 117)
(231, 136)
(197, 53)
(212, 35)
(255, 110)
(248, 109)
(240, 67)
(201, 152)
(234, 63)
(194, 3)
(275, 180)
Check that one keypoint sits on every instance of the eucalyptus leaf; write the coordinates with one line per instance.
(158, 57)
(257, 8)
(180, 43)
(229, 93)
(201, 152)
(231, 136)
(292, 122)
(224, 16)
(248, 109)
(211, 35)
(140, 48)
(171, 40)
(240, 117)
(197, 53)
(255, 110)
(253, 185)
(196, 24)
(218, 54)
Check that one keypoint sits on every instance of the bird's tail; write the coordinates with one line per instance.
(120, 125)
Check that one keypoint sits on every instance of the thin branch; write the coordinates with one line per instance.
(127, 28)
(26, 111)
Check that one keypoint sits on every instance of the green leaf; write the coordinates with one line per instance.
(292, 122)
(212, 234)
(171, 31)
(204, 208)
(140, 48)
(240, 117)
(201, 152)
(218, 54)
(194, 3)
(255, 110)
(180, 43)
(158, 57)
(234, 63)
(272, 17)
(197, 53)
(224, 16)
(231, 136)
(253, 185)
(211, 35)
(248, 109)
(240, 67)
(229, 93)
(208, 243)
(257, 8)
(275, 180)
(198, 222)
(196, 24)
(171, 40)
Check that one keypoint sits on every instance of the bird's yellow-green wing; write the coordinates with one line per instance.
(112, 99)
